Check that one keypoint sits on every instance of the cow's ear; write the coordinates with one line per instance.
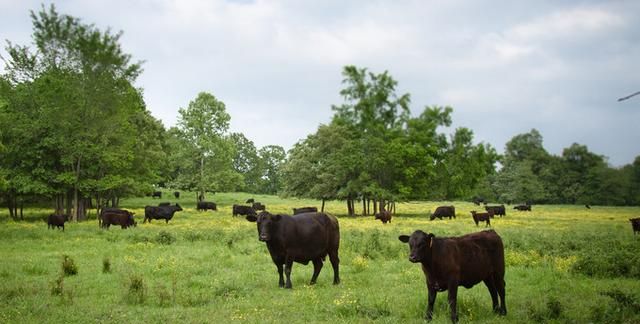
(277, 217)
(252, 218)
(404, 238)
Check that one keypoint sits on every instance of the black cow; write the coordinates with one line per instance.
(523, 207)
(206, 205)
(477, 200)
(300, 238)
(160, 212)
(384, 216)
(242, 210)
(164, 204)
(481, 217)
(635, 225)
(56, 220)
(444, 211)
(301, 210)
(258, 206)
(156, 194)
(587, 206)
(250, 201)
(112, 210)
(497, 210)
(176, 194)
(465, 261)
(125, 219)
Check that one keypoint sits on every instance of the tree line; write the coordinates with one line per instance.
(76, 133)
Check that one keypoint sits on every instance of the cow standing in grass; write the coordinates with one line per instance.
(384, 216)
(160, 212)
(635, 225)
(300, 238)
(56, 220)
(481, 217)
(467, 260)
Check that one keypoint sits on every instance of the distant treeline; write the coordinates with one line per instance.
(75, 132)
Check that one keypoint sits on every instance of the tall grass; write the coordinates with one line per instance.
(564, 264)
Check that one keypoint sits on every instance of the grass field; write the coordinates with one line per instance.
(564, 264)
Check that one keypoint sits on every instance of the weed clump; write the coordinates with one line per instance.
(57, 286)
(165, 238)
(136, 290)
(106, 265)
(69, 267)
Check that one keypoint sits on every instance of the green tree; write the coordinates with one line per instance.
(517, 182)
(208, 159)
(271, 158)
(247, 163)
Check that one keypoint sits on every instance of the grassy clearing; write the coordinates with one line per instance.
(564, 264)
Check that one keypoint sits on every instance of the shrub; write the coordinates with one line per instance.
(136, 291)
(165, 238)
(57, 286)
(69, 267)
(106, 265)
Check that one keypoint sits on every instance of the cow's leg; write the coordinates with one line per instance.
(281, 277)
(501, 292)
(335, 263)
(317, 266)
(453, 300)
(166, 221)
(432, 299)
(287, 271)
(490, 283)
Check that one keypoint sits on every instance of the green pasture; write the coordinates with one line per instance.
(565, 264)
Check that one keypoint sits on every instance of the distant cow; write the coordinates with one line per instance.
(384, 216)
(249, 201)
(300, 238)
(243, 210)
(160, 212)
(481, 217)
(258, 206)
(176, 194)
(444, 211)
(164, 204)
(465, 261)
(56, 220)
(635, 225)
(587, 206)
(156, 194)
(115, 210)
(206, 205)
(477, 200)
(497, 210)
(125, 220)
(301, 210)
(523, 207)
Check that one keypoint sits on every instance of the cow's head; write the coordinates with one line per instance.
(178, 208)
(265, 222)
(419, 245)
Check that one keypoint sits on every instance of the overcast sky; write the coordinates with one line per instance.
(504, 66)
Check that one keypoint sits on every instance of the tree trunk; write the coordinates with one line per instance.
(375, 206)
(322, 209)
(364, 206)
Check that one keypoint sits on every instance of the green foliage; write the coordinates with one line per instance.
(136, 290)
(106, 265)
(69, 267)
(165, 238)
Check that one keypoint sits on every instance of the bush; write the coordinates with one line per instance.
(165, 238)
(611, 261)
(69, 267)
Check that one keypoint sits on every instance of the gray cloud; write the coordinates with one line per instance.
(504, 66)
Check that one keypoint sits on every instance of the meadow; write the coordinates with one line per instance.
(564, 264)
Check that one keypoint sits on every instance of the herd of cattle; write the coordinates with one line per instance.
(311, 236)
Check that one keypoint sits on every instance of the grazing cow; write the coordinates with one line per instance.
(176, 194)
(156, 194)
(497, 210)
(258, 206)
(481, 217)
(384, 216)
(587, 206)
(250, 201)
(635, 225)
(206, 205)
(55, 220)
(523, 207)
(160, 212)
(164, 204)
(112, 210)
(444, 211)
(465, 261)
(125, 220)
(302, 210)
(242, 210)
(477, 200)
(300, 238)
